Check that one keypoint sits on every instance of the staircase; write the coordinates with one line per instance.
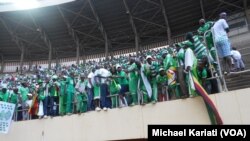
(240, 80)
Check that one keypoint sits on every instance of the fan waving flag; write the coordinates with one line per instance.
(33, 110)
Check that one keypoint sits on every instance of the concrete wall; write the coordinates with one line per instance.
(131, 122)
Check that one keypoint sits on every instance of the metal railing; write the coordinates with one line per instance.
(221, 76)
(29, 116)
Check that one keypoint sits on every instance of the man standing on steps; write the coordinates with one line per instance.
(190, 63)
(97, 89)
(220, 31)
(54, 99)
(150, 70)
(204, 27)
(62, 96)
(81, 95)
(90, 89)
(101, 88)
(133, 80)
(122, 80)
(24, 91)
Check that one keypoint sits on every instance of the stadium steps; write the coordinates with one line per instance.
(238, 80)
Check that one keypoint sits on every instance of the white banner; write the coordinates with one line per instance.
(6, 114)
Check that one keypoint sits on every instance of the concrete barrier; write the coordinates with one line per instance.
(131, 122)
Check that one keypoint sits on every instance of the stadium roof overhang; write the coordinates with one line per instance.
(96, 26)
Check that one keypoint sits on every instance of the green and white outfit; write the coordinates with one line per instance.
(180, 73)
(170, 64)
(191, 61)
(209, 37)
(97, 88)
(150, 70)
(133, 82)
(62, 97)
(70, 93)
(24, 93)
(114, 89)
(81, 96)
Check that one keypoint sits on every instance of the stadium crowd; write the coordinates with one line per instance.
(151, 76)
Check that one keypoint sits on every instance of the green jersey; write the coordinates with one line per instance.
(14, 98)
(180, 56)
(113, 87)
(209, 38)
(133, 78)
(40, 92)
(207, 26)
(198, 47)
(133, 71)
(202, 74)
(122, 80)
(161, 79)
(151, 70)
(1, 97)
(169, 62)
(5, 96)
(24, 93)
(62, 87)
(54, 89)
(70, 84)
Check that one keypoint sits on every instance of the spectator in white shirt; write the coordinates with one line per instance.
(102, 75)
(90, 90)
(220, 30)
(238, 63)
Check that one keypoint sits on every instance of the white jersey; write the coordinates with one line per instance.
(219, 29)
(189, 58)
(80, 86)
(103, 73)
(236, 54)
(91, 76)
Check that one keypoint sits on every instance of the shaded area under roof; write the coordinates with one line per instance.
(29, 29)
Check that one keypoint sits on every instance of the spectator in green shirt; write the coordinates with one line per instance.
(5, 95)
(123, 81)
(162, 82)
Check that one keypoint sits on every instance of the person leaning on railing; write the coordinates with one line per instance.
(220, 33)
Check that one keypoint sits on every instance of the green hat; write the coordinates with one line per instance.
(40, 81)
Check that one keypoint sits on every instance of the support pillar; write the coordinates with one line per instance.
(2, 65)
(202, 9)
(247, 12)
(21, 60)
(30, 65)
(50, 58)
(106, 46)
(77, 53)
(166, 22)
(131, 20)
(101, 28)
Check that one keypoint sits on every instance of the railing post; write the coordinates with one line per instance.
(222, 78)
